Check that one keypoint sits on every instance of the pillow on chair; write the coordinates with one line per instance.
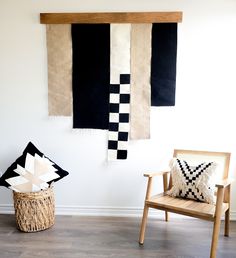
(193, 182)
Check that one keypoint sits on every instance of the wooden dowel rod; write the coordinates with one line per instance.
(122, 17)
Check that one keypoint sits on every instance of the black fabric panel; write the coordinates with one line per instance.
(91, 75)
(163, 64)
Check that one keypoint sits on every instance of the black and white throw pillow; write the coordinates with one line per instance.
(31, 172)
(193, 182)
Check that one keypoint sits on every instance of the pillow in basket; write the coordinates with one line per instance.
(32, 172)
(193, 182)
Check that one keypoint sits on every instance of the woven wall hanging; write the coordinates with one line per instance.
(108, 69)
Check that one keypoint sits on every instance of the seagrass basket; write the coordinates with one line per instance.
(34, 211)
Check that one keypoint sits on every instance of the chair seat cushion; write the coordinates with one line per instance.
(193, 182)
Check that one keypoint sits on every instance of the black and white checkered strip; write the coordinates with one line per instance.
(119, 118)
(191, 175)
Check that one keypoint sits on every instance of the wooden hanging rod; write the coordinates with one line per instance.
(124, 17)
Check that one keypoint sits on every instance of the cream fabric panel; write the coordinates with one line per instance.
(59, 48)
(140, 81)
(120, 51)
(119, 90)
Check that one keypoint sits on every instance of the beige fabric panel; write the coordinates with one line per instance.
(140, 81)
(59, 48)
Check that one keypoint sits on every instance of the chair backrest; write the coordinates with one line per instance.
(195, 157)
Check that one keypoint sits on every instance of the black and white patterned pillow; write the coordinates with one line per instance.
(193, 182)
(31, 172)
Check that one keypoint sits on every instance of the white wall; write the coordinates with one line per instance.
(203, 118)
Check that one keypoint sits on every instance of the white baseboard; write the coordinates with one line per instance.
(90, 211)
(102, 211)
(98, 211)
(233, 215)
(6, 209)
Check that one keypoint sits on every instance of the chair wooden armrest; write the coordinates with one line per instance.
(160, 173)
(150, 176)
(224, 183)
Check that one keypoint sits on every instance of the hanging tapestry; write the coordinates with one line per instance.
(163, 65)
(119, 92)
(59, 49)
(140, 101)
(118, 72)
(91, 75)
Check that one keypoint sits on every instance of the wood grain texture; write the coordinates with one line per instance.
(152, 174)
(185, 206)
(115, 17)
(103, 237)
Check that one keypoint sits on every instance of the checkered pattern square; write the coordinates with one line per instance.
(119, 118)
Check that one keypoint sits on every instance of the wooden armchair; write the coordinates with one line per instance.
(201, 210)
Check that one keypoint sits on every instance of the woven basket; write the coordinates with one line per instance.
(35, 211)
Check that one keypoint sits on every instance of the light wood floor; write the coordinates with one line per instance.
(89, 237)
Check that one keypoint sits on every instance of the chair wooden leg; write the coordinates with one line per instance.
(215, 236)
(165, 186)
(216, 227)
(166, 216)
(143, 225)
(227, 215)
